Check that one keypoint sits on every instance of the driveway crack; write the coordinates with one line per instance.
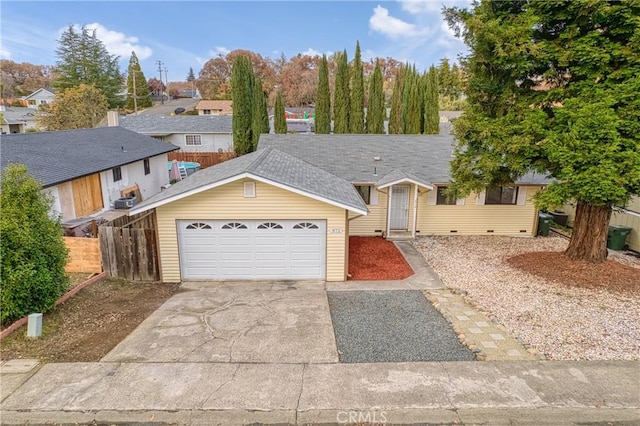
(446, 393)
(304, 366)
(233, 376)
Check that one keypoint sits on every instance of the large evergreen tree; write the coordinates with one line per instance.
(279, 120)
(242, 85)
(81, 107)
(356, 109)
(412, 114)
(83, 59)
(376, 112)
(431, 108)
(323, 99)
(341, 101)
(396, 124)
(141, 96)
(257, 115)
(553, 87)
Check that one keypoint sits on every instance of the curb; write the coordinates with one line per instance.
(22, 321)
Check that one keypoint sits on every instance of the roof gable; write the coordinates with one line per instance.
(270, 166)
(43, 91)
(166, 124)
(55, 157)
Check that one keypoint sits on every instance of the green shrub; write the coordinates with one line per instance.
(32, 251)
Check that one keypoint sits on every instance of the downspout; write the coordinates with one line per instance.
(415, 212)
(389, 210)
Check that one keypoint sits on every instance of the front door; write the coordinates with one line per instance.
(399, 208)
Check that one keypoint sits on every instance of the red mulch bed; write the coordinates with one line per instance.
(556, 267)
(374, 258)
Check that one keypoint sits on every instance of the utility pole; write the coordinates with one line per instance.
(166, 78)
(135, 96)
(160, 63)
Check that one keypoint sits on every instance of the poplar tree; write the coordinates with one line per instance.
(257, 114)
(341, 95)
(279, 120)
(356, 110)
(141, 92)
(242, 82)
(431, 109)
(412, 124)
(323, 99)
(83, 59)
(376, 111)
(396, 124)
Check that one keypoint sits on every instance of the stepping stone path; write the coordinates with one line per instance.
(489, 341)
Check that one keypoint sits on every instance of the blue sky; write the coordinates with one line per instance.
(188, 33)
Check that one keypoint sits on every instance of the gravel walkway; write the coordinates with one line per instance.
(561, 322)
(392, 326)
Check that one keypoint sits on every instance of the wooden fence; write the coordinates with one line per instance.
(84, 254)
(129, 248)
(206, 159)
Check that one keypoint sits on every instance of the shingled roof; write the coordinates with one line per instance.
(56, 157)
(166, 124)
(271, 166)
(377, 159)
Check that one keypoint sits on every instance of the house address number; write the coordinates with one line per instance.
(336, 230)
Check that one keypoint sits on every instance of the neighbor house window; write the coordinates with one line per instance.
(206, 111)
(32, 101)
(502, 195)
(365, 192)
(443, 198)
(147, 166)
(193, 139)
(117, 173)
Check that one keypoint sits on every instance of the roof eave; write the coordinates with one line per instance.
(406, 180)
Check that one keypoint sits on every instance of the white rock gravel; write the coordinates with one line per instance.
(562, 323)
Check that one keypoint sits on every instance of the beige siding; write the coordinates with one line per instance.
(228, 202)
(619, 218)
(474, 219)
(375, 220)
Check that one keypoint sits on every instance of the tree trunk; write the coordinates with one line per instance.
(589, 239)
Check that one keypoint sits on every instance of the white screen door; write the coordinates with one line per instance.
(399, 208)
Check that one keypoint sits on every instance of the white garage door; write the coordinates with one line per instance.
(252, 249)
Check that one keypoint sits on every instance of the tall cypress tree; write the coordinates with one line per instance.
(431, 110)
(356, 110)
(412, 124)
(256, 119)
(242, 96)
(264, 110)
(142, 94)
(323, 99)
(396, 124)
(376, 111)
(279, 120)
(341, 95)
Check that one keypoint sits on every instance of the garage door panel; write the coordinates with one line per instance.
(252, 249)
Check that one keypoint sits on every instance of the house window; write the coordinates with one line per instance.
(305, 225)
(198, 225)
(270, 225)
(443, 198)
(234, 225)
(365, 192)
(502, 195)
(206, 111)
(117, 173)
(147, 166)
(32, 101)
(193, 139)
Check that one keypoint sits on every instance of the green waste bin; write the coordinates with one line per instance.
(544, 223)
(617, 237)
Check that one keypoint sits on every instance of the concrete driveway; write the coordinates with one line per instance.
(253, 322)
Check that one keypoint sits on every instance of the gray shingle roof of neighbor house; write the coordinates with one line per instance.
(55, 157)
(369, 158)
(164, 124)
(275, 167)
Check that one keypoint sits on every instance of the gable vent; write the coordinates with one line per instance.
(249, 190)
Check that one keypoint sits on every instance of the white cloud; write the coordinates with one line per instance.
(421, 6)
(393, 27)
(4, 54)
(200, 60)
(311, 52)
(118, 43)
(219, 50)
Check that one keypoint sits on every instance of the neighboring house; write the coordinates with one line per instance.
(215, 108)
(17, 119)
(40, 97)
(189, 93)
(86, 170)
(287, 210)
(191, 133)
(628, 216)
(299, 120)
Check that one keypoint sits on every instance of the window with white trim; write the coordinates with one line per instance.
(270, 225)
(206, 112)
(117, 173)
(234, 225)
(507, 195)
(442, 198)
(305, 225)
(192, 140)
(198, 225)
(365, 193)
